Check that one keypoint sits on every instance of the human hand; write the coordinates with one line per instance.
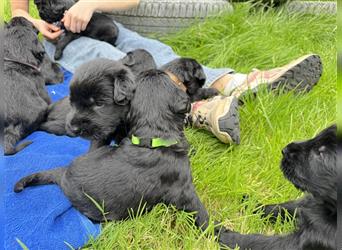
(78, 16)
(48, 30)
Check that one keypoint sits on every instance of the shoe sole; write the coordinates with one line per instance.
(301, 77)
(229, 123)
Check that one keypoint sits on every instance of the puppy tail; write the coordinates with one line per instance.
(52, 176)
(11, 150)
(12, 136)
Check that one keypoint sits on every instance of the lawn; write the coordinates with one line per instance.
(222, 174)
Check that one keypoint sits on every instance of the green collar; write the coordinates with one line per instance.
(152, 142)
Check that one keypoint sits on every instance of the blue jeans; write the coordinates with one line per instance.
(85, 49)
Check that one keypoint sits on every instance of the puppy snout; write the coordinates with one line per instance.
(72, 126)
(291, 149)
(285, 151)
(74, 129)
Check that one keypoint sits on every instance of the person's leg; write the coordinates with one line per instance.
(83, 50)
(129, 40)
(299, 75)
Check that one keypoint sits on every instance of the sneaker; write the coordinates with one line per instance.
(218, 115)
(299, 75)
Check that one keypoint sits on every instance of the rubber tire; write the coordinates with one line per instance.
(313, 7)
(166, 16)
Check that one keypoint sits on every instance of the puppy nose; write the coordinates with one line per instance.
(292, 148)
(285, 151)
(74, 129)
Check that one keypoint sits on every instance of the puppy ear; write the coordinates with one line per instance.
(128, 60)
(123, 87)
(181, 102)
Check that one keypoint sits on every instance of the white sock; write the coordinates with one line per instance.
(237, 79)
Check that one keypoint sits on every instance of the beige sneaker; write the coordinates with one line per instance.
(299, 75)
(218, 115)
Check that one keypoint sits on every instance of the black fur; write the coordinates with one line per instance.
(100, 94)
(191, 74)
(138, 61)
(311, 167)
(124, 177)
(100, 26)
(25, 98)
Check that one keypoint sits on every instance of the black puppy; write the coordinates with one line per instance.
(26, 70)
(137, 61)
(100, 92)
(188, 74)
(150, 166)
(311, 167)
(100, 26)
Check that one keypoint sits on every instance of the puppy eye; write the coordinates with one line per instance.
(95, 104)
(99, 105)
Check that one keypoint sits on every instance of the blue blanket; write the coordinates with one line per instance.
(42, 217)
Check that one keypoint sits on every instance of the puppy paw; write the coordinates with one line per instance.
(269, 210)
(58, 55)
(19, 186)
(213, 92)
(259, 207)
(9, 151)
(219, 228)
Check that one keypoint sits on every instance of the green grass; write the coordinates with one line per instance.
(223, 174)
(339, 72)
(7, 13)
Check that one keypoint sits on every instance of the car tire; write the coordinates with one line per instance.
(165, 16)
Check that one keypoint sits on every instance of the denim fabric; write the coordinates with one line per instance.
(85, 49)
